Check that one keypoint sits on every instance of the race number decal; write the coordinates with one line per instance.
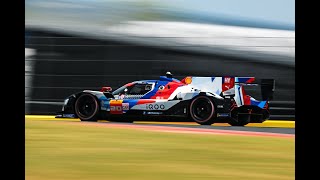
(116, 106)
(125, 106)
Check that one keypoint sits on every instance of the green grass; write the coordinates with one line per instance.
(58, 150)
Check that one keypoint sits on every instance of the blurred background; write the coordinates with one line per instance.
(72, 45)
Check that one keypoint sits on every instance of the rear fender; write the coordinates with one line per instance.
(217, 99)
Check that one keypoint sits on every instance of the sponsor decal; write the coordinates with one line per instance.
(160, 106)
(188, 80)
(223, 114)
(228, 83)
(68, 115)
(153, 113)
(220, 106)
(125, 106)
(227, 80)
(155, 106)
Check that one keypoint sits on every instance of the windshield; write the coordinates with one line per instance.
(134, 89)
(119, 90)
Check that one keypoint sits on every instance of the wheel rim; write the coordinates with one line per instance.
(202, 109)
(86, 106)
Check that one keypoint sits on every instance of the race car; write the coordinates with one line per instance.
(205, 100)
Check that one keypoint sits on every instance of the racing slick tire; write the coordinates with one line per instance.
(87, 107)
(202, 110)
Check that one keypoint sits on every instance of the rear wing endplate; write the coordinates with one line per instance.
(267, 86)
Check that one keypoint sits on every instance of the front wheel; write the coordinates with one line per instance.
(202, 110)
(87, 107)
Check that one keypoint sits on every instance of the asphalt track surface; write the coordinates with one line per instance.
(274, 128)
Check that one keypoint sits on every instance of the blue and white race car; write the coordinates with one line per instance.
(205, 100)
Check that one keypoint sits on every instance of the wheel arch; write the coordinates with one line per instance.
(69, 104)
(78, 95)
(216, 99)
(213, 100)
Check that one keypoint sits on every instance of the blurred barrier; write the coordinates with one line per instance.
(29, 64)
(282, 110)
(272, 46)
(64, 64)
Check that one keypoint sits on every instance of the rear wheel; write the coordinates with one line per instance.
(87, 107)
(202, 110)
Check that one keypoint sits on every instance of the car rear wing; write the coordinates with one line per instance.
(267, 86)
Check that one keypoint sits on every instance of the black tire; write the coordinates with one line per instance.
(202, 110)
(87, 107)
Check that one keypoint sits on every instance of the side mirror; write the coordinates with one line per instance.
(106, 89)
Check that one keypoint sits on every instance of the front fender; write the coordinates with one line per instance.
(68, 105)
